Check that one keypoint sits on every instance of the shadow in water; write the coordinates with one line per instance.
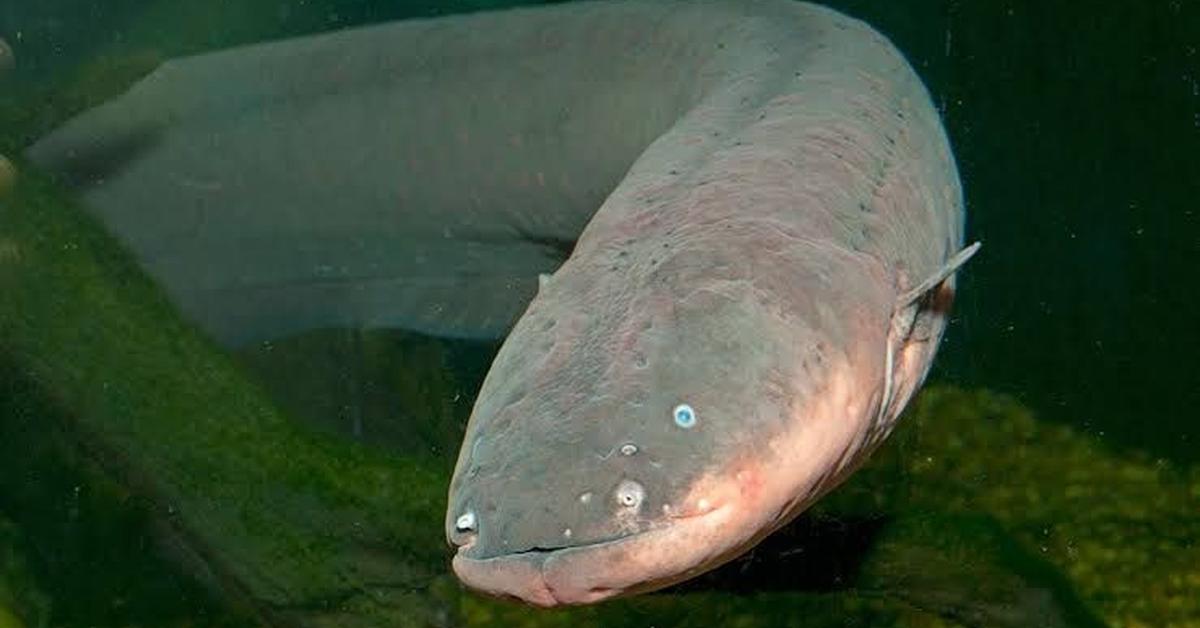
(813, 554)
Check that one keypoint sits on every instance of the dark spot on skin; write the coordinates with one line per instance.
(666, 246)
(613, 268)
(673, 172)
(864, 236)
(864, 207)
(622, 253)
(720, 46)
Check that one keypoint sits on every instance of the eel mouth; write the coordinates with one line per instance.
(583, 574)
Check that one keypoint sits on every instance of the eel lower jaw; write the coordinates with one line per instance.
(584, 574)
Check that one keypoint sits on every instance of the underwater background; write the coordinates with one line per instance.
(1047, 475)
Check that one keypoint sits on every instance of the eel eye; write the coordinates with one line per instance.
(685, 416)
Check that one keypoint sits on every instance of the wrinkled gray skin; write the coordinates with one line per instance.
(779, 217)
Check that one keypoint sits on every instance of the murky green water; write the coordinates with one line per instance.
(1048, 475)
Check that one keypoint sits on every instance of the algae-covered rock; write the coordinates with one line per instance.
(289, 521)
(1122, 528)
(78, 534)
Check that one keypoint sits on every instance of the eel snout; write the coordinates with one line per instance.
(584, 574)
(714, 521)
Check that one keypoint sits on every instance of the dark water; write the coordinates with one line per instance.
(1070, 355)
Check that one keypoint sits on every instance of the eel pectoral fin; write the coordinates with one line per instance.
(899, 382)
(949, 268)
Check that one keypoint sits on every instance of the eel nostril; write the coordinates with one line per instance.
(630, 494)
(465, 530)
(465, 523)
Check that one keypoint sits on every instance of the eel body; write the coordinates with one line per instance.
(738, 327)
(760, 207)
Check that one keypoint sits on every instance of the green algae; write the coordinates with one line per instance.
(78, 534)
(275, 513)
(1122, 527)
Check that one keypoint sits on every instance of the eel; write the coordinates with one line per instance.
(739, 325)
(727, 233)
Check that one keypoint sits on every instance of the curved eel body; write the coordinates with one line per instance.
(737, 328)
(761, 290)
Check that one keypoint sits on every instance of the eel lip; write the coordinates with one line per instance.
(584, 574)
